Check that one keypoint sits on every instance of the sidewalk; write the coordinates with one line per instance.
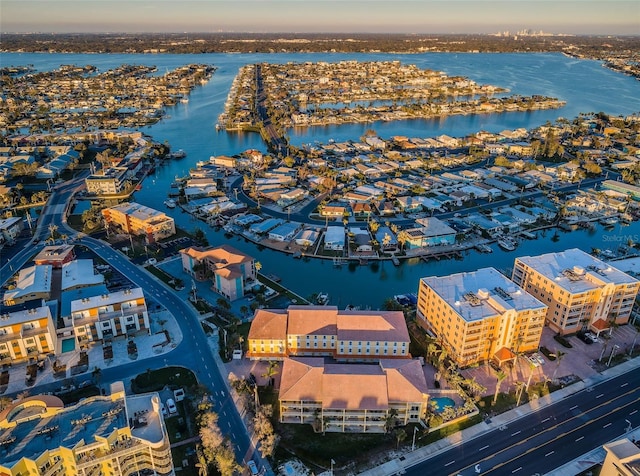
(409, 459)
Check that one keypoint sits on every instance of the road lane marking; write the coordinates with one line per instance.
(633, 412)
(516, 433)
(624, 384)
(484, 448)
(450, 463)
(545, 420)
(550, 453)
(608, 424)
(573, 407)
(601, 395)
(516, 470)
(578, 439)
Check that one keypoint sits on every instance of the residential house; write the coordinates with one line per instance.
(32, 283)
(230, 269)
(10, 228)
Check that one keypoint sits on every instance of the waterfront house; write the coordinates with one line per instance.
(306, 237)
(229, 269)
(432, 232)
(334, 238)
(136, 219)
(284, 232)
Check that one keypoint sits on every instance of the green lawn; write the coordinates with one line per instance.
(155, 380)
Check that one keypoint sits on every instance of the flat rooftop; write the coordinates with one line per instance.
(28, 315)
(481, 294)
(79, 273)
(576, 271)
(91, 302)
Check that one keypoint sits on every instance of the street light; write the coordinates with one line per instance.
(616, 346)
(332, 463)
(413, 443)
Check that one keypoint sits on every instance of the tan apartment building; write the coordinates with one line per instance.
(622, 459)
(122, 313)
(327, 331)
(112, 435)
(136, 219)
(113, 181)
(25, 334)
(581, 291)
(351, 397)
(480, 315)
(229, 269)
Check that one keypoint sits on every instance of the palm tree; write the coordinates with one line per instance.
(272, 370)
(96, 374)
(559, 357)
(519, 391)
(52, 229)
(500, 375)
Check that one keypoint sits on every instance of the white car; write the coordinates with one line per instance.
(171, 406)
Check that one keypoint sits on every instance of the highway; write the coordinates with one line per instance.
(544, 440)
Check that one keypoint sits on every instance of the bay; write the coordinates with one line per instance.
(585, 85)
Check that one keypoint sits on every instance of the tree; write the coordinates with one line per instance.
(391, 420)
(272, 369)
(96, 374)
(519, 390)
(500, 375)
(402, 238)
(559, 356)
(401, 435)
(264, 430)
(52, 229)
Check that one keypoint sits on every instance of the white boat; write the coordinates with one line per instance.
(184, 100)
(506, 244)
(609, 221)
(322, 299)
(170, 202)
(178, 154)
(528, 235)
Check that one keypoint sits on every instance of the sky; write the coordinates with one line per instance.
(621, 17)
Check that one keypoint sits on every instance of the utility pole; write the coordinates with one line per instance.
(611, 355)
(413, 443)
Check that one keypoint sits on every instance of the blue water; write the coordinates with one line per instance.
(584, 84)
(68, 345)
(440, 403)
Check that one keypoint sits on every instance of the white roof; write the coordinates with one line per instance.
(576, 270)
(31, 280)
(481, 294)
(28, 315)
(106, 299)
(79, 273)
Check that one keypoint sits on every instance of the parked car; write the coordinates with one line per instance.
(584, 337)
(253, 468)
(592, 336)
(171, 406)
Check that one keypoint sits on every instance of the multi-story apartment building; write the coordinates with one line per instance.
(56, 256)
(10, 228)
(109, 315)
(327, 331)
(349, 397)
(136, 219)
(480, 316)
(580, 290)
(228, 268)
(32, 283)
(622, 458)
(113, 181)
(115, 435)
(25, 334)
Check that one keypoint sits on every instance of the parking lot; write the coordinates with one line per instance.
(582, 360)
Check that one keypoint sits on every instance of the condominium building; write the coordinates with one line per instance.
(113, 435)
(229, 269)
(113, 181)
(622, 459)
(56, 255)
(327, 331)
(350, 397)
(136, 219)
(25, 334)
(480, 315)
(110, 315)
(580, 290)
(10, 228)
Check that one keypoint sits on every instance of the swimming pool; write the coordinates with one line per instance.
(68, 345)
(440, 403)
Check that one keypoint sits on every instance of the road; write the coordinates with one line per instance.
(193, 352)
(546, 439)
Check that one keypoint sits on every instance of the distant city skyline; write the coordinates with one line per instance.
(621, 17)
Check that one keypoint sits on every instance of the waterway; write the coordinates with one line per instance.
(584, 84)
